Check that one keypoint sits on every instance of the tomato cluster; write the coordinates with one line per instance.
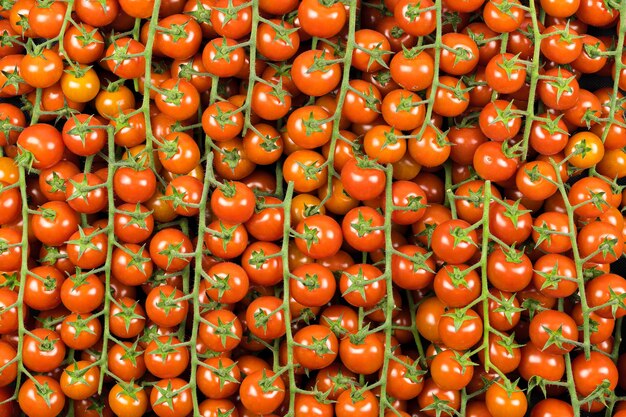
(306, 208)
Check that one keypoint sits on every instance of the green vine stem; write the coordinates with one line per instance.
(343, 90)
(483, 273)
(619, 65)
(284, 253)
(107, 265)
(145, 104)
(580, 277)
(534, 78)
(24, 244)
(389, 302)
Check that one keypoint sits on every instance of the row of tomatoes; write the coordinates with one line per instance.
(467, 103)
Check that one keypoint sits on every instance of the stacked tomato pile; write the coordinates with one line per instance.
(312, 208)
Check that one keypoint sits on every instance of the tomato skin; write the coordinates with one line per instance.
(496, 127)
(82, 293)
(212, 384)
(589, 373)
(80, 88)
(367, 40)
(233, 245)
(265, 271)
(226, 130)
(75, 388)
(450, 249)
(15, 118)
(427, 318)
(183, 158)
(44, 355)
(599, 290)
(556, 222)
(366, 240)
(414, 73)
(179, 48)
(276, 323)
(360, 274)
(258, 400)
(595, 13)
(447, 103)
(33, 404)
(7, 407)
(456, 286)
(318, 287)
(552, 407)
(416, 24)
(548, 89)
(271, 46)
(431, 390)
(448, 373)
(56, 224)
(315, 82)
(121, 366)
(97, 14)
(10, 64)
(219, 66)
(90, 202)
(509, 273)
(468, 206)
(594, 235)
(401, 383)
(9, 317)
(464, 337)
(308, 404)
(9, 373)
(44, 142)
(174, 312)
(364, 404)
(42, 70)
(43, 288)
(85, 339)
(134, 186)
(328, 236)
(6, 28)
(124, 404)
(452, 63)
(588, 141)
(548, 140)
(395, 112)
(137, 8)
(491, 162)
(294, 170)
(129, 68)
(263, 146)
(564, 267)
(501, 80)
(308, 337)
(95, 255)
(431, 149)
(320, 20)
(536, 362)
(81, 51)
(188, 191)
(10, 204)
(129, 231)
(361, 182)
(501, 404)
(412, 275)
(118, 317)
(169, 365)
(550, 321)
